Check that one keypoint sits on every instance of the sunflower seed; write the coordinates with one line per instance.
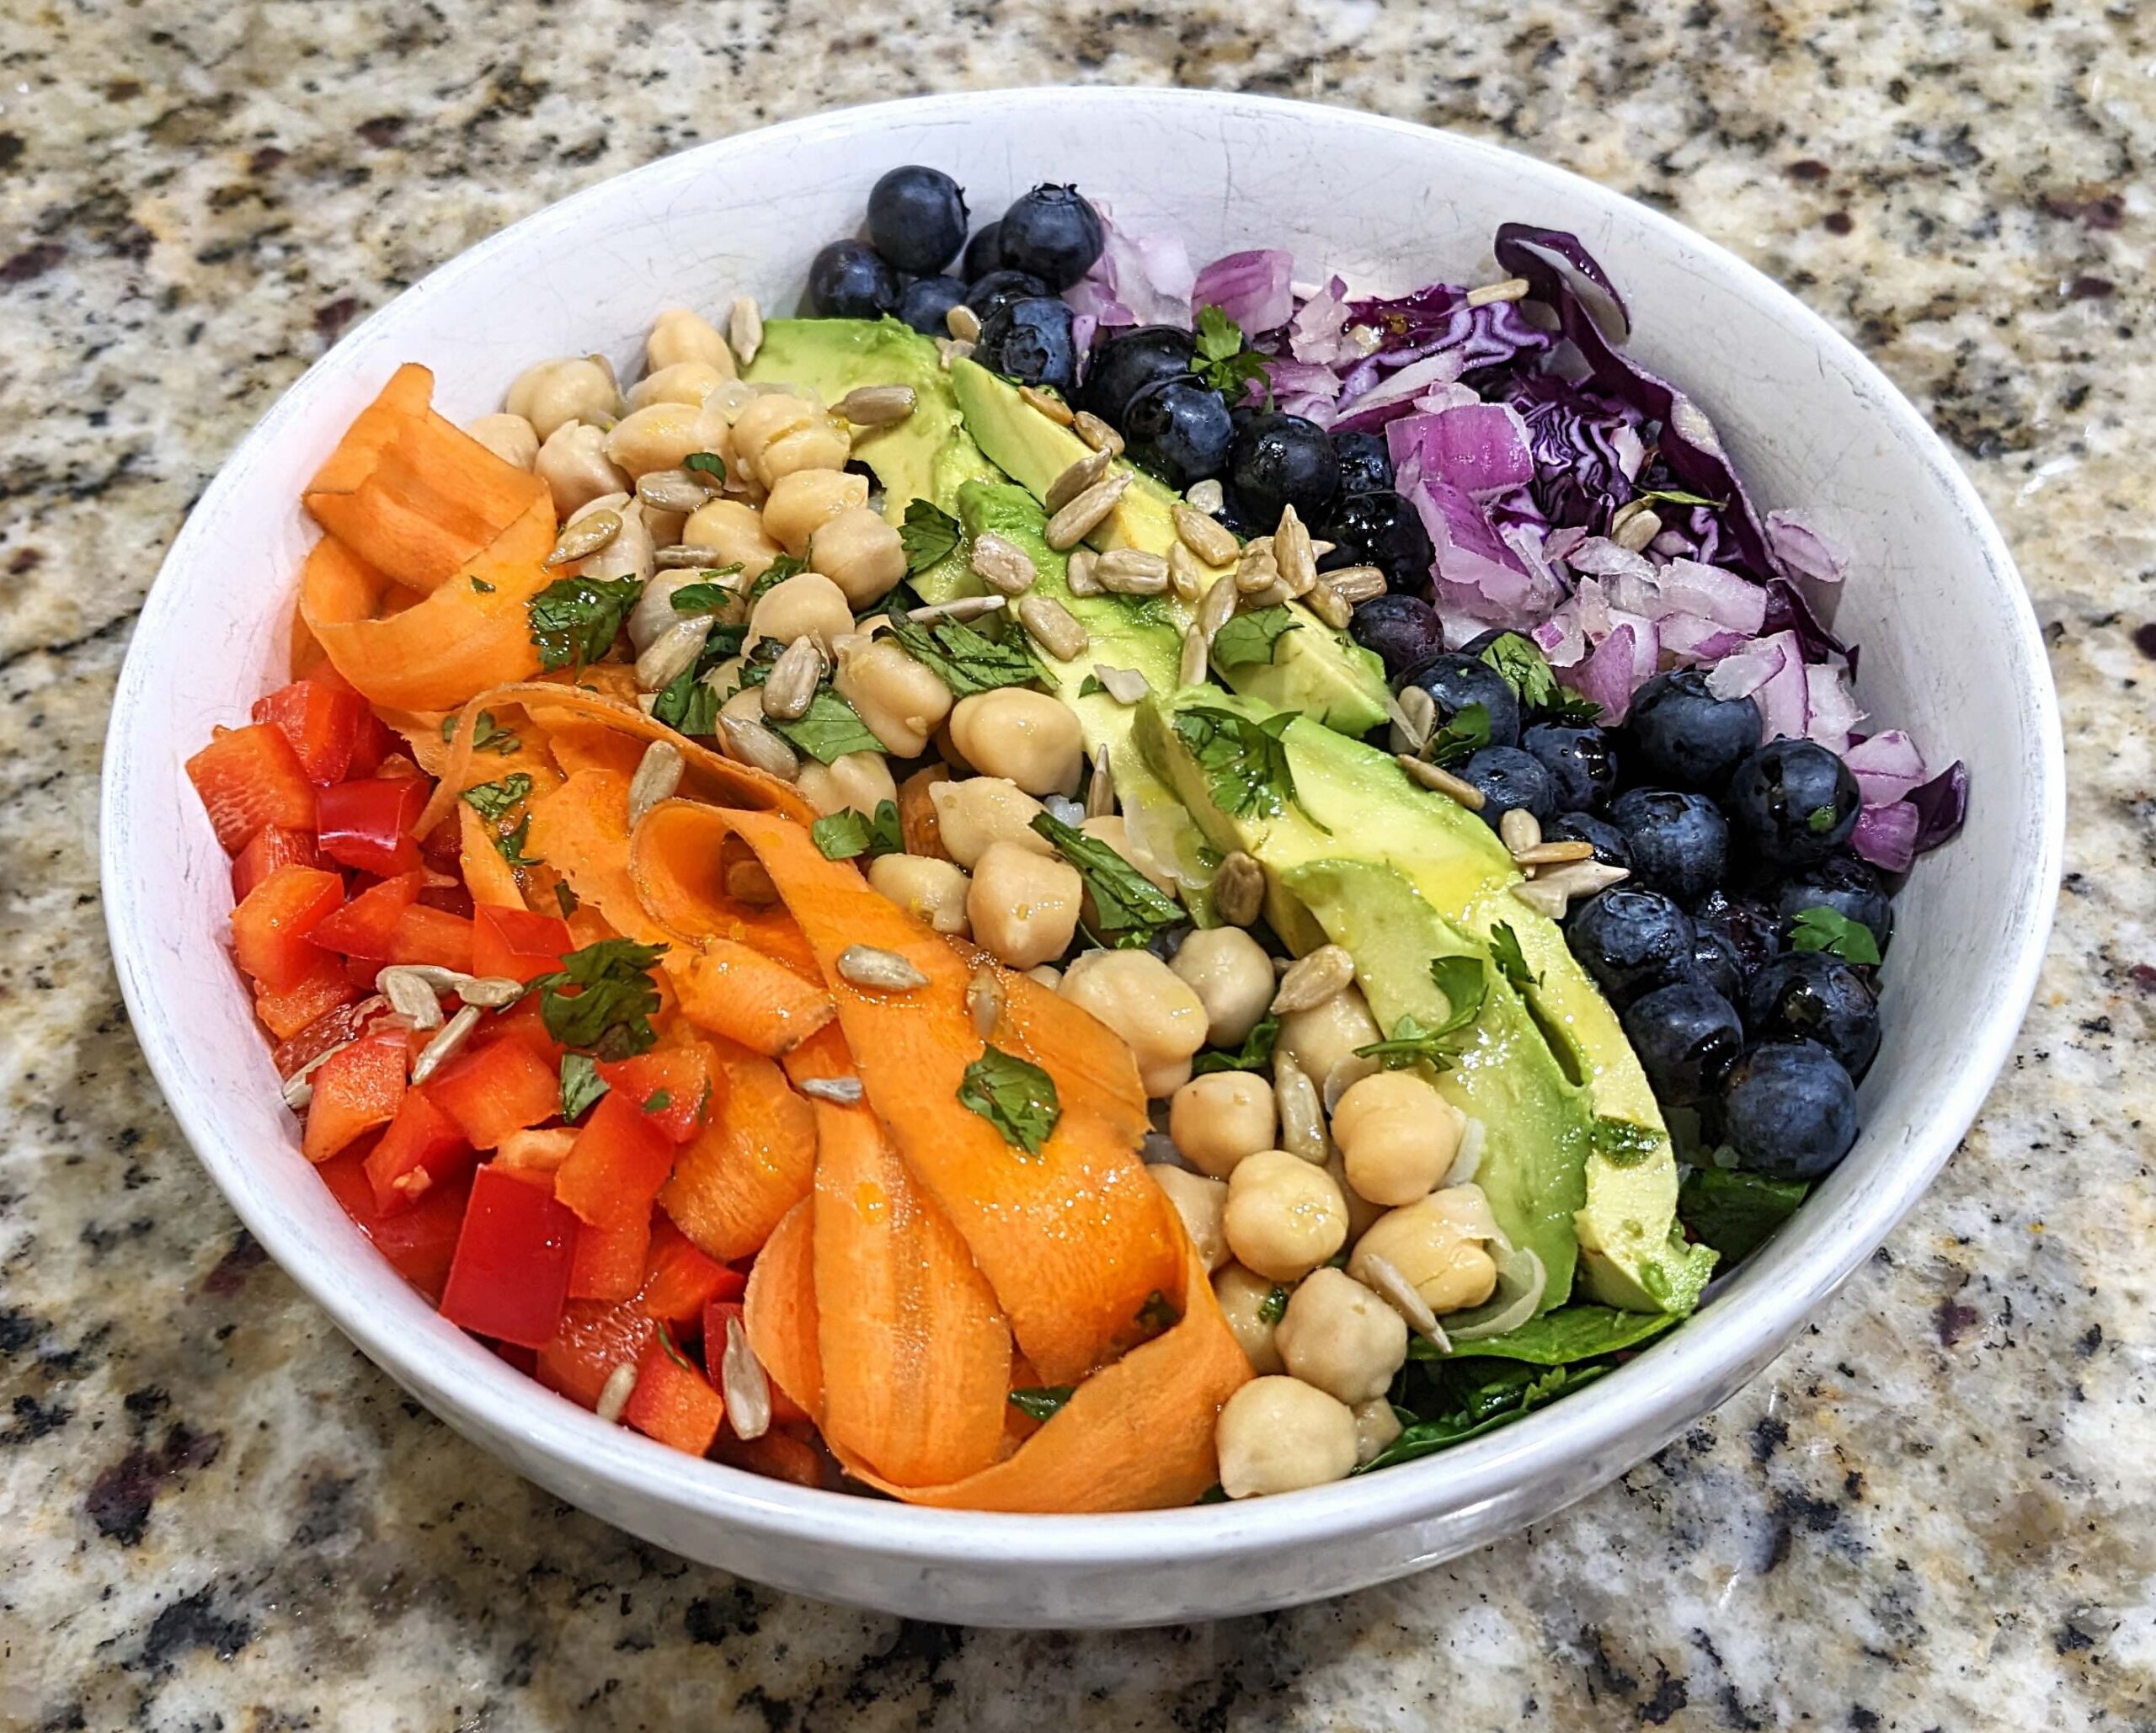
(790, 688)
(1078, 578)
(984, 1000)
(1217, 606)
(1548, 899)
(878, 405)
(1208, 496)
(1054, 408)
(1382, 1277)
(1210, 540)
(659, 775)
(1326, 973)
(966, 607)
(1131, 571)
(745, 328)
(1329, 605)
(446, 1046)
(1186, 575)
(673, 652)
(963, 322)
(1275, 595)
(1257, 572)
(886, 971)
(584, 537)
(1096, 433)
(1291, 553)
(741, 1383)
(753, 744)
(1074, 522)
(1414, 714)
(488, 991)
(1581, 878)
(1637, 532)
(953, 349)
(1002, 564)
(685, 555)
(842, 1092)
(614, 1394)
(1511, 289)
(1345, 1075)
(1302, 1115)
(681, 490)
(1197, 652)
(1468, 1162)
(1355, 584)
(1239, 889)
(749, 881)
(1126, 685)
(1074, 480)
(1054, 627)
(1519, 829)
(1319, 546)
(1437, 777)
(412, 994)
(1100, 791)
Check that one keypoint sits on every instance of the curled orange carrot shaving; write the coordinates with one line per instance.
(488, 874)
(581, 829)
(754, 1159)
(779, 1312)
(731, 990)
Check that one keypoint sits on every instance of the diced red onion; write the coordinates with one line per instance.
(1371, 409)
(1318, 333)
(1803, 552)
(1830, 709)
(1771, 673)
(1887, 836)
(1253, 289)
(1559, 638)
(1622, 664)
(1598, 556)
(1692, 641)
(1479, 448)
(1887, 767)
(1139, 279)
(1719, 593)
(1082, 327)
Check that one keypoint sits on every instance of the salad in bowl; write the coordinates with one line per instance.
(1069, 884)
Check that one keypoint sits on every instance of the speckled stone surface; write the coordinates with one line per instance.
(1938, 1510)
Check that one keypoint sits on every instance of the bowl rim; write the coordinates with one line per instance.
(1666, 1387)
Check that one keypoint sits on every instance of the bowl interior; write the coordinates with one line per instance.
(1949, 653)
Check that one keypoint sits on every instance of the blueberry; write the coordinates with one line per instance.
(1279, 460)
(1404, 631)
(1789, 1109)
(917, 218)
(1366, 464)
(1580, 759)
(1791, 803)
(1053, 232)
(1610, 847)
(1482, 640)
(1714, 964)
(1813, 995)
(923, 301)
(1685, 735)
(989, 292)
(1680, 842)
(1178, 431)
(1632, 941)
(1454, 681)
(1029, 341)
(1129, 362)
(1510, 778)
(1686, 1037)
(1380, 530)
(1845, 884)
(848, 280)
(984, 254)
(1751, 928)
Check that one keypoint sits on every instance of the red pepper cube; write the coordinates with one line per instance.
(424, 935)
(250, 778)
(672, 1085)
(496, 1090)
(418, 1242)
(523, 1023)
(510, 1275)
(672, 1402)
(424, 1148)
(320, 721)
(678, 1280)
(318, 992)
(365, 926)
(594, 1338)
(368, 824)
(516, 945)
(614, 1169)
(610, 1261)
(331, 1029)
(271, 929)
(274, 847)
(355, 1088)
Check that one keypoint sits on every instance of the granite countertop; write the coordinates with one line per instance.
(1937, 1509)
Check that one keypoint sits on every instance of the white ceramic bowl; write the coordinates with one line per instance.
(1951, 652)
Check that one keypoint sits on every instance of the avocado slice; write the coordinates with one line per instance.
(1315, 670)
(1537, 1124)
(1354, 800)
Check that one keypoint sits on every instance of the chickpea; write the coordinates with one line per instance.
(1114, 829)
(854, 781)
(745, 705)
(861, 553)
(1321, 1037)
(552, 394)
(1231, 974)
(1376, 1425)
(935, 890)
(1201, 1203)
(1046, 975)
(1361, 1211)
(1280, 1435)
(900, 701)
(659, 436)
(800, 503)
(1285, 1216)
(806, 606)
(735, 532)
(684, 383)
(631, 553)
(1251, 1305)
(980, 810)
(1340, 1336)
(1218, 1119)
(776, 434)
(510, 438)
(1023, 907)
(573, 465)
(1397, 1135)
(1032, 738)
(1147, 1004)
(679, 336)
(1440, 1245)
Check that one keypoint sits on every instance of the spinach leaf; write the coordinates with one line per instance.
(1734, 1211)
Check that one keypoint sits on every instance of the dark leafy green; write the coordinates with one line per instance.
(829, 728)
(1127, 901)
(1733, 1211)
(1470, 1398)
(573, 620)
(1252, 639)
(1558, 1337)
(609, 1012)
(844, 835)
(776, 574)
(968, 661)
(1014, 1095)
(1820, 928)
(1255, 1054)
(929, 535)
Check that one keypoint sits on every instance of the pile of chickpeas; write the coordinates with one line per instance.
(1317, 1193)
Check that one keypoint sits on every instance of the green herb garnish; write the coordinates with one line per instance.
(709, 462)
(1460, 739)
(1462, 981)
(1044, 1403)
(673, 1353)
(688, 704)
(1158, 1313)
(485, 736)
(929, 535)
(706, 598)
(1510, 961)
(573, 620)
(1252, 639)
(783, 567)
(1018, 1098)
(495, 801)
(610, 1012)
(843, 835)
(581, 1086)
(1820, 928)
(1255, 1054)
(829, 729)
(1225, 362)
(1274, 1306)
(1622, 1144)
(1733, 1211)
(481, 586)
(659, 1100)
(564, 898)
(1674, 496)
(966, 660)
(1089, 685)
(1127, 901)
(1820, 820)
(1245, 763)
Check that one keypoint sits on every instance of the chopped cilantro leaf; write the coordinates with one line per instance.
(688, 705)
(709, 462)
(1255, 1054)
(1274, 1306)
(1043, 1402)
(581, 1086)
(1820, 928)
(485, 736)
(966, 660)
(494, 801)
(1017, 1097)
(1129, 903)
(659, 1100)
(609, 1013)
(1244, 761)
(829, 729)
(1820, 820)
(1460, 739)
(844, 834)
(776, 574)
(481, 586)
(1252, 639)
(1224, 362)
(1510, 961)
(706, 598)
(1623, 1144)
(929, 535)
(573, 620)
(564, 898)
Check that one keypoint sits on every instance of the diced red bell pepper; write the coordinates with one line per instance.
(516, 945)
(610, 1261)
(365, 926)
(525, 1023)
(777, 1455)
(619, 1162)
(368, 824)
(672, 1402)
(424, 935)
(424, 1148)
(495, 1089)
(418, 1242)
(672, 1085)
(442, 848)
(332, 1029)
(678, 1279)
(273, 847)
(250, 777)
(511, 1272)
(448, 895)
(592, 1339)
(320, 721)
(271, 929)
(355, 1088)
(307, 1000)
